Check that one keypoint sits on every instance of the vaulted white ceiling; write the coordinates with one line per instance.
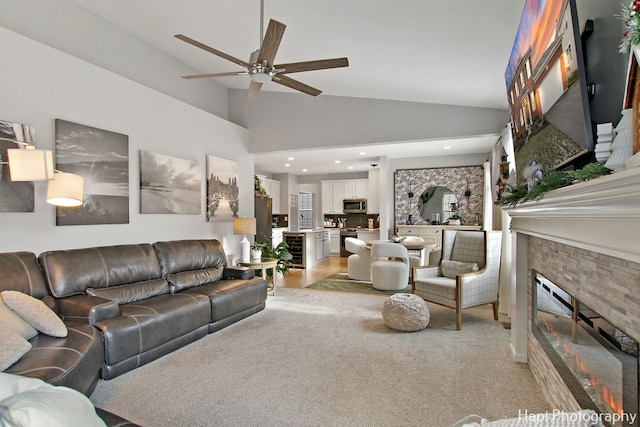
(431, 51)
(424, 51)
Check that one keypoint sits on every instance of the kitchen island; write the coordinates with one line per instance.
(308, 247)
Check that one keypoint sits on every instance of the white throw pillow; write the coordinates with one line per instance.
(16, 323)
(11, 384)
(13, 346)
(451, 269)
(48, 406)
(35, 312)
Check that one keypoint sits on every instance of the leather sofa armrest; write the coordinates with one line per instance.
(87, 308)
(243, 273)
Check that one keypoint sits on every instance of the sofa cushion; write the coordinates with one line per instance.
(35, 312)
(36, 403)
(15, 323)
(13, 346)
(229, 297)
(189, 255)
(102, 267)
(451, 269)
(21, 272)
(189, 279)
(132, 292)
(148, 324)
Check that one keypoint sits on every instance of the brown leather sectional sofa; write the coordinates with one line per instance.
(127, 305)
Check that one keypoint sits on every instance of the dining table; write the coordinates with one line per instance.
(423, 248)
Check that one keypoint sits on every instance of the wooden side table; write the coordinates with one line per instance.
(264, 264)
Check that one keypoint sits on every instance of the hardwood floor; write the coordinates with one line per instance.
(299, 278)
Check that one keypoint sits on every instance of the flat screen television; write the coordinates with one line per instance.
(546, 88)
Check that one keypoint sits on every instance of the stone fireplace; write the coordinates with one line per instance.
(585, 239)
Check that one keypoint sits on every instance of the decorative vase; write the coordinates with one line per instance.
(454, 222)
(256, 254)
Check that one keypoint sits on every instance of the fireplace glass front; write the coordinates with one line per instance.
(597, 361)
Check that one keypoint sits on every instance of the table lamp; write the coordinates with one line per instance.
(244, 226)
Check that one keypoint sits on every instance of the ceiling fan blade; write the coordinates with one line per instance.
(271, 42)
(206, 76)
(254, 90)
(211, 50)
(320, 64)
(294, 84)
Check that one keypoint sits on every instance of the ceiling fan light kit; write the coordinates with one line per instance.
(261, 68)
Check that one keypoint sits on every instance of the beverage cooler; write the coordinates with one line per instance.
(296, 243)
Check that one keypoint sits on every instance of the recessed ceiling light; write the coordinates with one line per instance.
(305, 170)
(350, 167)
(286, 165)
(336, 161)
(446, 147)
(362, 153)
(289, 158)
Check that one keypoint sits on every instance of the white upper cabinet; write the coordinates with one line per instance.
(332, 196)
(272, 187)
(355, 189)
(334, 192)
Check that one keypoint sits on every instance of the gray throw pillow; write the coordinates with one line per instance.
(36, 313)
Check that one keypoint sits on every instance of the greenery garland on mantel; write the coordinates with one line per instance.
(551, 180)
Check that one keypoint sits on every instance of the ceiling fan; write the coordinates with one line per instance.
(261, 68)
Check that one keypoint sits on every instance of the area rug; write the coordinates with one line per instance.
(313, 358)
(340, 282)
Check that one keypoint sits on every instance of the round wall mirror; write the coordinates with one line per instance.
(434, 204)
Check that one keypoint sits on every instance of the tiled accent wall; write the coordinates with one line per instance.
(455, 178)
(606, 284)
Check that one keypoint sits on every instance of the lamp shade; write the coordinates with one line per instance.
(30, 165)
(65, 189)
(244, 226)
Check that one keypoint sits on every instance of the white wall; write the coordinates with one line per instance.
(69, 27)
(41, 84)
(281, 121)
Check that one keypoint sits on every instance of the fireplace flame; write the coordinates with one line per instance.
(608, 396)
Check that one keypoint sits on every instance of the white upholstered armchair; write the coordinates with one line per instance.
(390, 266)
(359, 263)
(467, 274)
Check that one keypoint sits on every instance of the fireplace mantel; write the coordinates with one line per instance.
(601, 215)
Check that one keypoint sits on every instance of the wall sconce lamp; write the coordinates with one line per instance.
(244, 226)
(65, 189)
(30, 164)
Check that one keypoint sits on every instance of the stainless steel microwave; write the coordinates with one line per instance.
(354, 206)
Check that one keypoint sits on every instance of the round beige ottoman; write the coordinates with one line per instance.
(405, 312)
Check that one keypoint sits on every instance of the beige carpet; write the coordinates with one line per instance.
(315, 358)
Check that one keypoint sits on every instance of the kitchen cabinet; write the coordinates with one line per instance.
(272, 187)
(355, 189)
(334, 192)
(332, 196)
(432, 233)
(368, 235)
(322, 246)
(334, 237)
(309, 248)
